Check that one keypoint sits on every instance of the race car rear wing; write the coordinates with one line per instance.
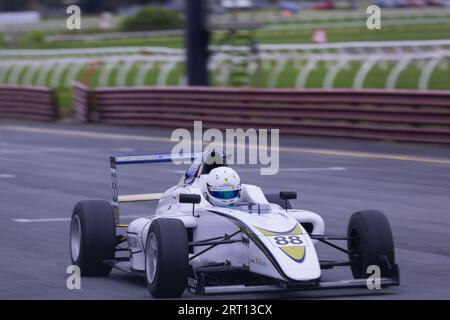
(151, 158)
(139, 159)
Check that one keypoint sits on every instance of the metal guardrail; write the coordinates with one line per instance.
(86, 52)
(27, 102)
(82, 102)
(401, 115)
(359, 46)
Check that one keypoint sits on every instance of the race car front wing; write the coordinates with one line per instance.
(198, 285)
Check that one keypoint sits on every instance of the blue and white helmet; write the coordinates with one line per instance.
(224, 186)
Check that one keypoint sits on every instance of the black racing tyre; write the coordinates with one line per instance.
(166, 258)
(370, 243)
(275, 198)
(92, 237)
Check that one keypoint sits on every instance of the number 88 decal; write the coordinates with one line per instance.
(287, 240)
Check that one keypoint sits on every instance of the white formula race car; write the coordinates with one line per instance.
(258, 243)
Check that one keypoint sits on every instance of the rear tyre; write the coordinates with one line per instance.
(166, 258)
(370, 243)
(92, 237)
(275, 198)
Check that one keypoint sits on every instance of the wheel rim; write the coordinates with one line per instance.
(355, 250)
(75, 237)
(151, 258)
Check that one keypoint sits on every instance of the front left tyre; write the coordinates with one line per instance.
(92, 237)
(166, 258)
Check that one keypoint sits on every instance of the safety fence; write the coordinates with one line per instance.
(343, 47)
(408, 65)
(401, 115)
(27, 102)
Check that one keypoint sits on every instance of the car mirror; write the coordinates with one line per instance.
(189, 198)
(288, 195)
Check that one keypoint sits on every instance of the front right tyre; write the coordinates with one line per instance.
(371, 243)
(166, 258)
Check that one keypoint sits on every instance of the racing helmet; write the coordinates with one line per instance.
(223, 185)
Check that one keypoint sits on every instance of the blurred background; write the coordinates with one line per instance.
(252, 43)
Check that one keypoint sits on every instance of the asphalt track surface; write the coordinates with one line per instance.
(46, 168)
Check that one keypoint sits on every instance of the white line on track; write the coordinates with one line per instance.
(6, 176)
(43, 220)
(285, 169)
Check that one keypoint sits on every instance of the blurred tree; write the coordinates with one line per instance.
(152, 18)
